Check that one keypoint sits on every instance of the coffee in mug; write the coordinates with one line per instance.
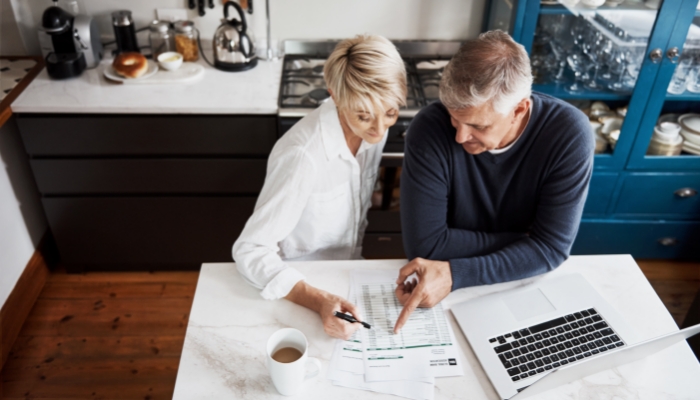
(287, 360)
(286, 355)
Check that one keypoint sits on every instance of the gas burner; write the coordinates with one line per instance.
(303, 85)
(304, 67)
(432, 64)
(315, 97)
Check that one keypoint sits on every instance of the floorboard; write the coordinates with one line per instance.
(120, 335)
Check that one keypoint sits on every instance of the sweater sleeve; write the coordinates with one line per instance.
(556, 222)
(425, 188)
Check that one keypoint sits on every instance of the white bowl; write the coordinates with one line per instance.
(592, 3)
(690, 136)
(667, 132)
(691, 122)
(170, 60)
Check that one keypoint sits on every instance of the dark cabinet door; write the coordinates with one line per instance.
(126, 233)
(147, 135)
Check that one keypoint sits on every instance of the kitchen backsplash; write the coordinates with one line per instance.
(291, 19)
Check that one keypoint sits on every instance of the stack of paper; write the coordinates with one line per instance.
(405, 364)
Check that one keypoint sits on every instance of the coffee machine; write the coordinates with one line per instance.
(66, 58)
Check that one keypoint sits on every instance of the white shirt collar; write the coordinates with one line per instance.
(332, 133)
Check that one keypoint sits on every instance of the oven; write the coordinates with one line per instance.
(302, 89)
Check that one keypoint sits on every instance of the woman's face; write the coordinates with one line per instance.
(369, 128)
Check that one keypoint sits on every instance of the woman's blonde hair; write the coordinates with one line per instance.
(365, 73)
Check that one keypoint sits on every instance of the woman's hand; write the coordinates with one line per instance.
(326, 304)
(334, 326)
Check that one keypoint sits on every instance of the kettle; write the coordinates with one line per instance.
(234, 48)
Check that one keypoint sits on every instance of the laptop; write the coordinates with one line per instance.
(540, 336)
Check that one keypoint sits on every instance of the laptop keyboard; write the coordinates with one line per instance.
(549, 345)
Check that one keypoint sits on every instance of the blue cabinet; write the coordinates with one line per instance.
(636, 71)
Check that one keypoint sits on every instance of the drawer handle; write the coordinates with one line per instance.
(384, 239)
(668, 241)
(685, 192)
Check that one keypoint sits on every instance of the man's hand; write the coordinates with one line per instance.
(434, 284)
(326, 304)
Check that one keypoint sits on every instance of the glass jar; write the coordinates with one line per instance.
(186, 41)
(160, 38)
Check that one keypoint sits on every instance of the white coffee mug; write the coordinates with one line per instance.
(288, 377)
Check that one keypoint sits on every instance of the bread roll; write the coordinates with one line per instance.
(130, 64)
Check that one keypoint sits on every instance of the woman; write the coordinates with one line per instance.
(320, 177)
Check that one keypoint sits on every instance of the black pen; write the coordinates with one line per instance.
(350, 318)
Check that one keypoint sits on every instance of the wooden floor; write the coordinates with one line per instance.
(119, 335)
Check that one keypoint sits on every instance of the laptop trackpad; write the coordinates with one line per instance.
(528, 304)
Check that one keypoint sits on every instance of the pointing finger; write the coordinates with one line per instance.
(411, 305)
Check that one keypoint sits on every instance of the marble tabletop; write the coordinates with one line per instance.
(224, 351)
(249, 92)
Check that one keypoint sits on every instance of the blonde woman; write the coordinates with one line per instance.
(320, 177)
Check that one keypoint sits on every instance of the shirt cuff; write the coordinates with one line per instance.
(463, 274)
(281, 284)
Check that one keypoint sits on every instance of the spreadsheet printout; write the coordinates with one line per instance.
(425, 346)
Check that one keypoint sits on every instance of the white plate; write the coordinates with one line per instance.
(111, 74)
(691, 148)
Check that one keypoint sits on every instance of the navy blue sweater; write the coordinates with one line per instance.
(496, 217)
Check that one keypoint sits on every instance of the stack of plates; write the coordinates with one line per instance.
(690, 130)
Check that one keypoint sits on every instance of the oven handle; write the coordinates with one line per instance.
(392, 155)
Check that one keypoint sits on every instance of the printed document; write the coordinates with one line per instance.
(425, 346)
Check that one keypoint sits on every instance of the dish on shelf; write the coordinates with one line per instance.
(691, 148)
(690, 122)
(668, 118)
(111, 74)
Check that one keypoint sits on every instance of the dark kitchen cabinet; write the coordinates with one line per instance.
(147, 192)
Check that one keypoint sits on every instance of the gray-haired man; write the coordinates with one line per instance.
(494, 179)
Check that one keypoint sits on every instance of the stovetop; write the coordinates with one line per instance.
(303, 88)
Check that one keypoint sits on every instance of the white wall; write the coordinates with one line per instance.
(10, 39)
(291, 19)
(22, 221)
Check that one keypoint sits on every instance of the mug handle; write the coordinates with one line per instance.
(316, 362)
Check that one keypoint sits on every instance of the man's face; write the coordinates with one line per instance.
(481, 128)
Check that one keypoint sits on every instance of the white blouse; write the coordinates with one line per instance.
(313, 205)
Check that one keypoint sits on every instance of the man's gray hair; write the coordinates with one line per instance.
(492, 67)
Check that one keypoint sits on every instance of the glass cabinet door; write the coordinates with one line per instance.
(595, 55)
(669, 134)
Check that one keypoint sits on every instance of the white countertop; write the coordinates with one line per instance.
(224, 352)
(249, 92)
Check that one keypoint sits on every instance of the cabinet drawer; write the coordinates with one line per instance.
(600, 192)
(128, 232)
(642, 239)
(149, 176)
(383, 221)
(661, 195)
(378, 245)
(144, 135)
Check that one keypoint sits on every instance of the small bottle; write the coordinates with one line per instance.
(186, 41)
(160, 38)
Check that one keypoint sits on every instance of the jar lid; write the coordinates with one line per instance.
(159, 26)
(122, 18)
(184, 26)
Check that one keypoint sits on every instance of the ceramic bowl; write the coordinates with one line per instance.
(691, 122)
(610, 124)
(667, 132)
(668, 118)
(613, 137)
(170, 60)
(690, 136)
(592, 3)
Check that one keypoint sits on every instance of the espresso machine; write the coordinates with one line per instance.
(66, 58)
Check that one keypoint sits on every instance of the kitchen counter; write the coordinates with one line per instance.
(250, 92)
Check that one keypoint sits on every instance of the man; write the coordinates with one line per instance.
(494, 178)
